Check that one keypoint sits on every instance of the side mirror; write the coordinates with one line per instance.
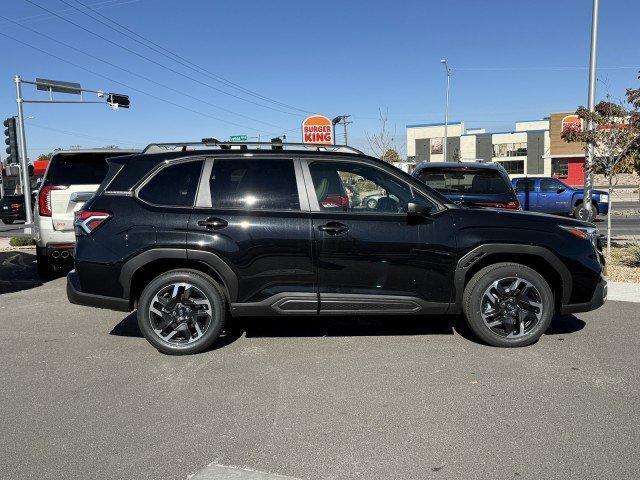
(560, 190)
(415, 210)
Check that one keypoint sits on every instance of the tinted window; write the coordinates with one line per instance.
(355, 187)
(257, 184)
(450, 181)
(78, 168)
(550, 185)
(525, 185)
(174, 186)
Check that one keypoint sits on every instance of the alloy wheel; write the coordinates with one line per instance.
(180, 313)
(511, 307)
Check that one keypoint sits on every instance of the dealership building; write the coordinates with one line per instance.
(534, 147)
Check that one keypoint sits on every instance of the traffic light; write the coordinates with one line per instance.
(115, 100)
(10, 132)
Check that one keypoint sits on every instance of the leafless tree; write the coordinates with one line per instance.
(383, 143)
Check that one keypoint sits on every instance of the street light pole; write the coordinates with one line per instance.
(446, 107)
(24, 165)
(588, 177)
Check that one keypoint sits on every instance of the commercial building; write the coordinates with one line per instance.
(525, 150)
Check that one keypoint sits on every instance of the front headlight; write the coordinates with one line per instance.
(585, 233)
(604, 198)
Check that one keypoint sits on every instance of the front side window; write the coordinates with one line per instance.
(254, 184)
(464, 181)
(356, 187)
(550, 185)
(173, 186)
(525, 185)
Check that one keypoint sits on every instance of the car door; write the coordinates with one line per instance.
(251, 223)
(553, 196)
(526, 193)
(377, 260)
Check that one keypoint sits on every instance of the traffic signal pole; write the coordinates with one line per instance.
(24, 167)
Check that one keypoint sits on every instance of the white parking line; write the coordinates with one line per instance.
(623, 292)
(215, 471)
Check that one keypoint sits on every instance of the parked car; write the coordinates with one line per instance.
(190, 238)
(471, 184)
(71, 178)
(550, 195)
(11, 208)
(354, 195)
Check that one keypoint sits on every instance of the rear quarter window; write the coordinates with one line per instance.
(173, 186)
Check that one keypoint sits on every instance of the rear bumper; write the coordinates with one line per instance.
(8, 215)
(597, 300)
(78, 297)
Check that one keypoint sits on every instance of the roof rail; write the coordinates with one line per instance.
(209, 143)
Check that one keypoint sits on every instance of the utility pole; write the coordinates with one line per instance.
(24, 165)
(446, 107)
(341, 119)
(588, 177)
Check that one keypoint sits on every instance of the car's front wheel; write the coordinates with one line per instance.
(580, 213)
(508, 305)
(181, 312)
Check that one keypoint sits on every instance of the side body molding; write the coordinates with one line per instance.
(471, 258)
(211, 259)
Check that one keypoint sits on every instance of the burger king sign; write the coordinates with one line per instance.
(317, 129)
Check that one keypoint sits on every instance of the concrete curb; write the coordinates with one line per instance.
(623, 292)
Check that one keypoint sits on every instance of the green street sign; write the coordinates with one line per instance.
(238, 138)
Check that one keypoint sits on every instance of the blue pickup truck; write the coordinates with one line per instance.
(550, 195)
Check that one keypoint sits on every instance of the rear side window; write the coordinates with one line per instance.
(449, 181)
(78, 168)
(255, 184)
(525, 185)
(173, 186)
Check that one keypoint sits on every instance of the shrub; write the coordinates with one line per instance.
(21, 241)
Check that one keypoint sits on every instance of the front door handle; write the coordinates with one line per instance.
(333, 228)
(213, 223)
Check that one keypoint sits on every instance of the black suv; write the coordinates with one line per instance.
(190, 236)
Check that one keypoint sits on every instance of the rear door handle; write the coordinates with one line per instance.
(333, 228)
(213, 223)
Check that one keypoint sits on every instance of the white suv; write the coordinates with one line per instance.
(72, 177)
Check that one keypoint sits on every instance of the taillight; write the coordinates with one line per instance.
(15, 206)
(44, 199)
(86, 221)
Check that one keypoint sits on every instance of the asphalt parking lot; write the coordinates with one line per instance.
(84, 396)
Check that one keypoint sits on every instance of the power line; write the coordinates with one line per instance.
(66, 11)
(77, 134)
(144, 57)
(131, 72)
(549, 68)
(183, 61)
(128, 86)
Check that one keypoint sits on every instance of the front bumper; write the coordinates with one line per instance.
(78, 297)
(597, 300)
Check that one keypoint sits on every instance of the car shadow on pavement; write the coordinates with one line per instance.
(18, 271)
(304, 326)
(347, 326)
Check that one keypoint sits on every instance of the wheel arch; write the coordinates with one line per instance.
(538, 258)
(139, 270)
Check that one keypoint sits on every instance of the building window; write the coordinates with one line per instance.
(513, 166)
(510, 149)
(559, 168)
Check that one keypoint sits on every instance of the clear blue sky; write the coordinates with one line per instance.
(513, 60)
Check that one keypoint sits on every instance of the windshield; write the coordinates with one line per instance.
(465, 181)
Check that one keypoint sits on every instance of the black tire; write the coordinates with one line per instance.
(372, 203)
(580, 213)
(207, 286)
(43, 265)
(7, 221)
(474, 295)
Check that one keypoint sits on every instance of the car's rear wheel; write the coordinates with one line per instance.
(372, 203)
(580, 213)
(181, 312)
(43, 264)
(508, 305)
